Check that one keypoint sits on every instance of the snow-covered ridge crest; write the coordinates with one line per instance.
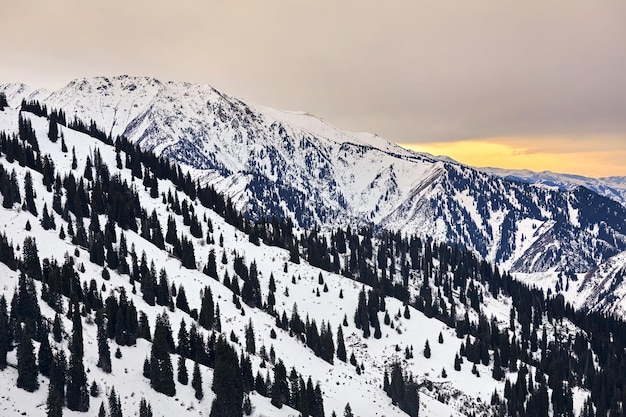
(291, 164)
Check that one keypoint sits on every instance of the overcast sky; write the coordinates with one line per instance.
(411, 71)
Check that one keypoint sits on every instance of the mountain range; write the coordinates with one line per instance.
(349, 275)
(293, 165)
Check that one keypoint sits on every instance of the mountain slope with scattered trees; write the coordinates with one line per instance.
(129, 286)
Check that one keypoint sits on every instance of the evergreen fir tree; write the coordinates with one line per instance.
(54, 405)
(45, 356)
(207, 315)
(53, 130)
(3, 101)
(77, 390)
(115, 406)
(341, 347)
(29, 194)
(104, 353)
(183, 377)
(227, 382)
(161, 371)
(145, 410)
(5, 332)
(57, 375)
(26, 366)
(196, 382)
(94, 390)
(181, 300)
(250, 343)
(102, 412)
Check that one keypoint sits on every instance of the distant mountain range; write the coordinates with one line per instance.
(611, 187)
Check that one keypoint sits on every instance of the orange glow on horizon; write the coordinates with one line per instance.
(593, 157)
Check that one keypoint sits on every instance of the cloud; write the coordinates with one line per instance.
(419, 71)
(576, 156)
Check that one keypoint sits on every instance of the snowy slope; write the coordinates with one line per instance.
(340, 383)
(544, 219)
(291, 164)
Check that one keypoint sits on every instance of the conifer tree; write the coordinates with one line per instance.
(45, 357)
(5, 332)
(104, 353)
(145, 410)
(182, 375)
(115, 405)
(161, 371)
(77, 390)
(3, 101)
(102, 411)
(280, 389)
(207, 315)
(250, 343)
(30, 260)
(26, 366)
(58, 373)
(53, 130)
(227, 382)
(196, 382)
(54, 406)
(29, 194)
(211, 267)
(341, 346)
(181, 300)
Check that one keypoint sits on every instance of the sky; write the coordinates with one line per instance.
(538, 85)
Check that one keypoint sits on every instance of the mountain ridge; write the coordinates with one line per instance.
(450, 330)
(293, 165)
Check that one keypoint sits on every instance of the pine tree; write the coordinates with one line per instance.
(182, 377)
(341, 347)
(280, 388)
(45, 356)
(145, 410)
(94, 390)
(31, 265)
(104, 353)
(57, 375)
(181, 300)
(29, 194)
(57, 328)
(161, 371)
(115, 406)
(250, 343)
(54, 406)
(427, 349)
(227, 382)
(102, 412)
(211, 267)
(196, 382)
(53, 130)
(77, 390)
(207, 315)
(5, 335)
(3, 101)
(26, 366)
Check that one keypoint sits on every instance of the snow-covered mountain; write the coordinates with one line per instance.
(288, 164)
(611, 187)
(426, 327)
